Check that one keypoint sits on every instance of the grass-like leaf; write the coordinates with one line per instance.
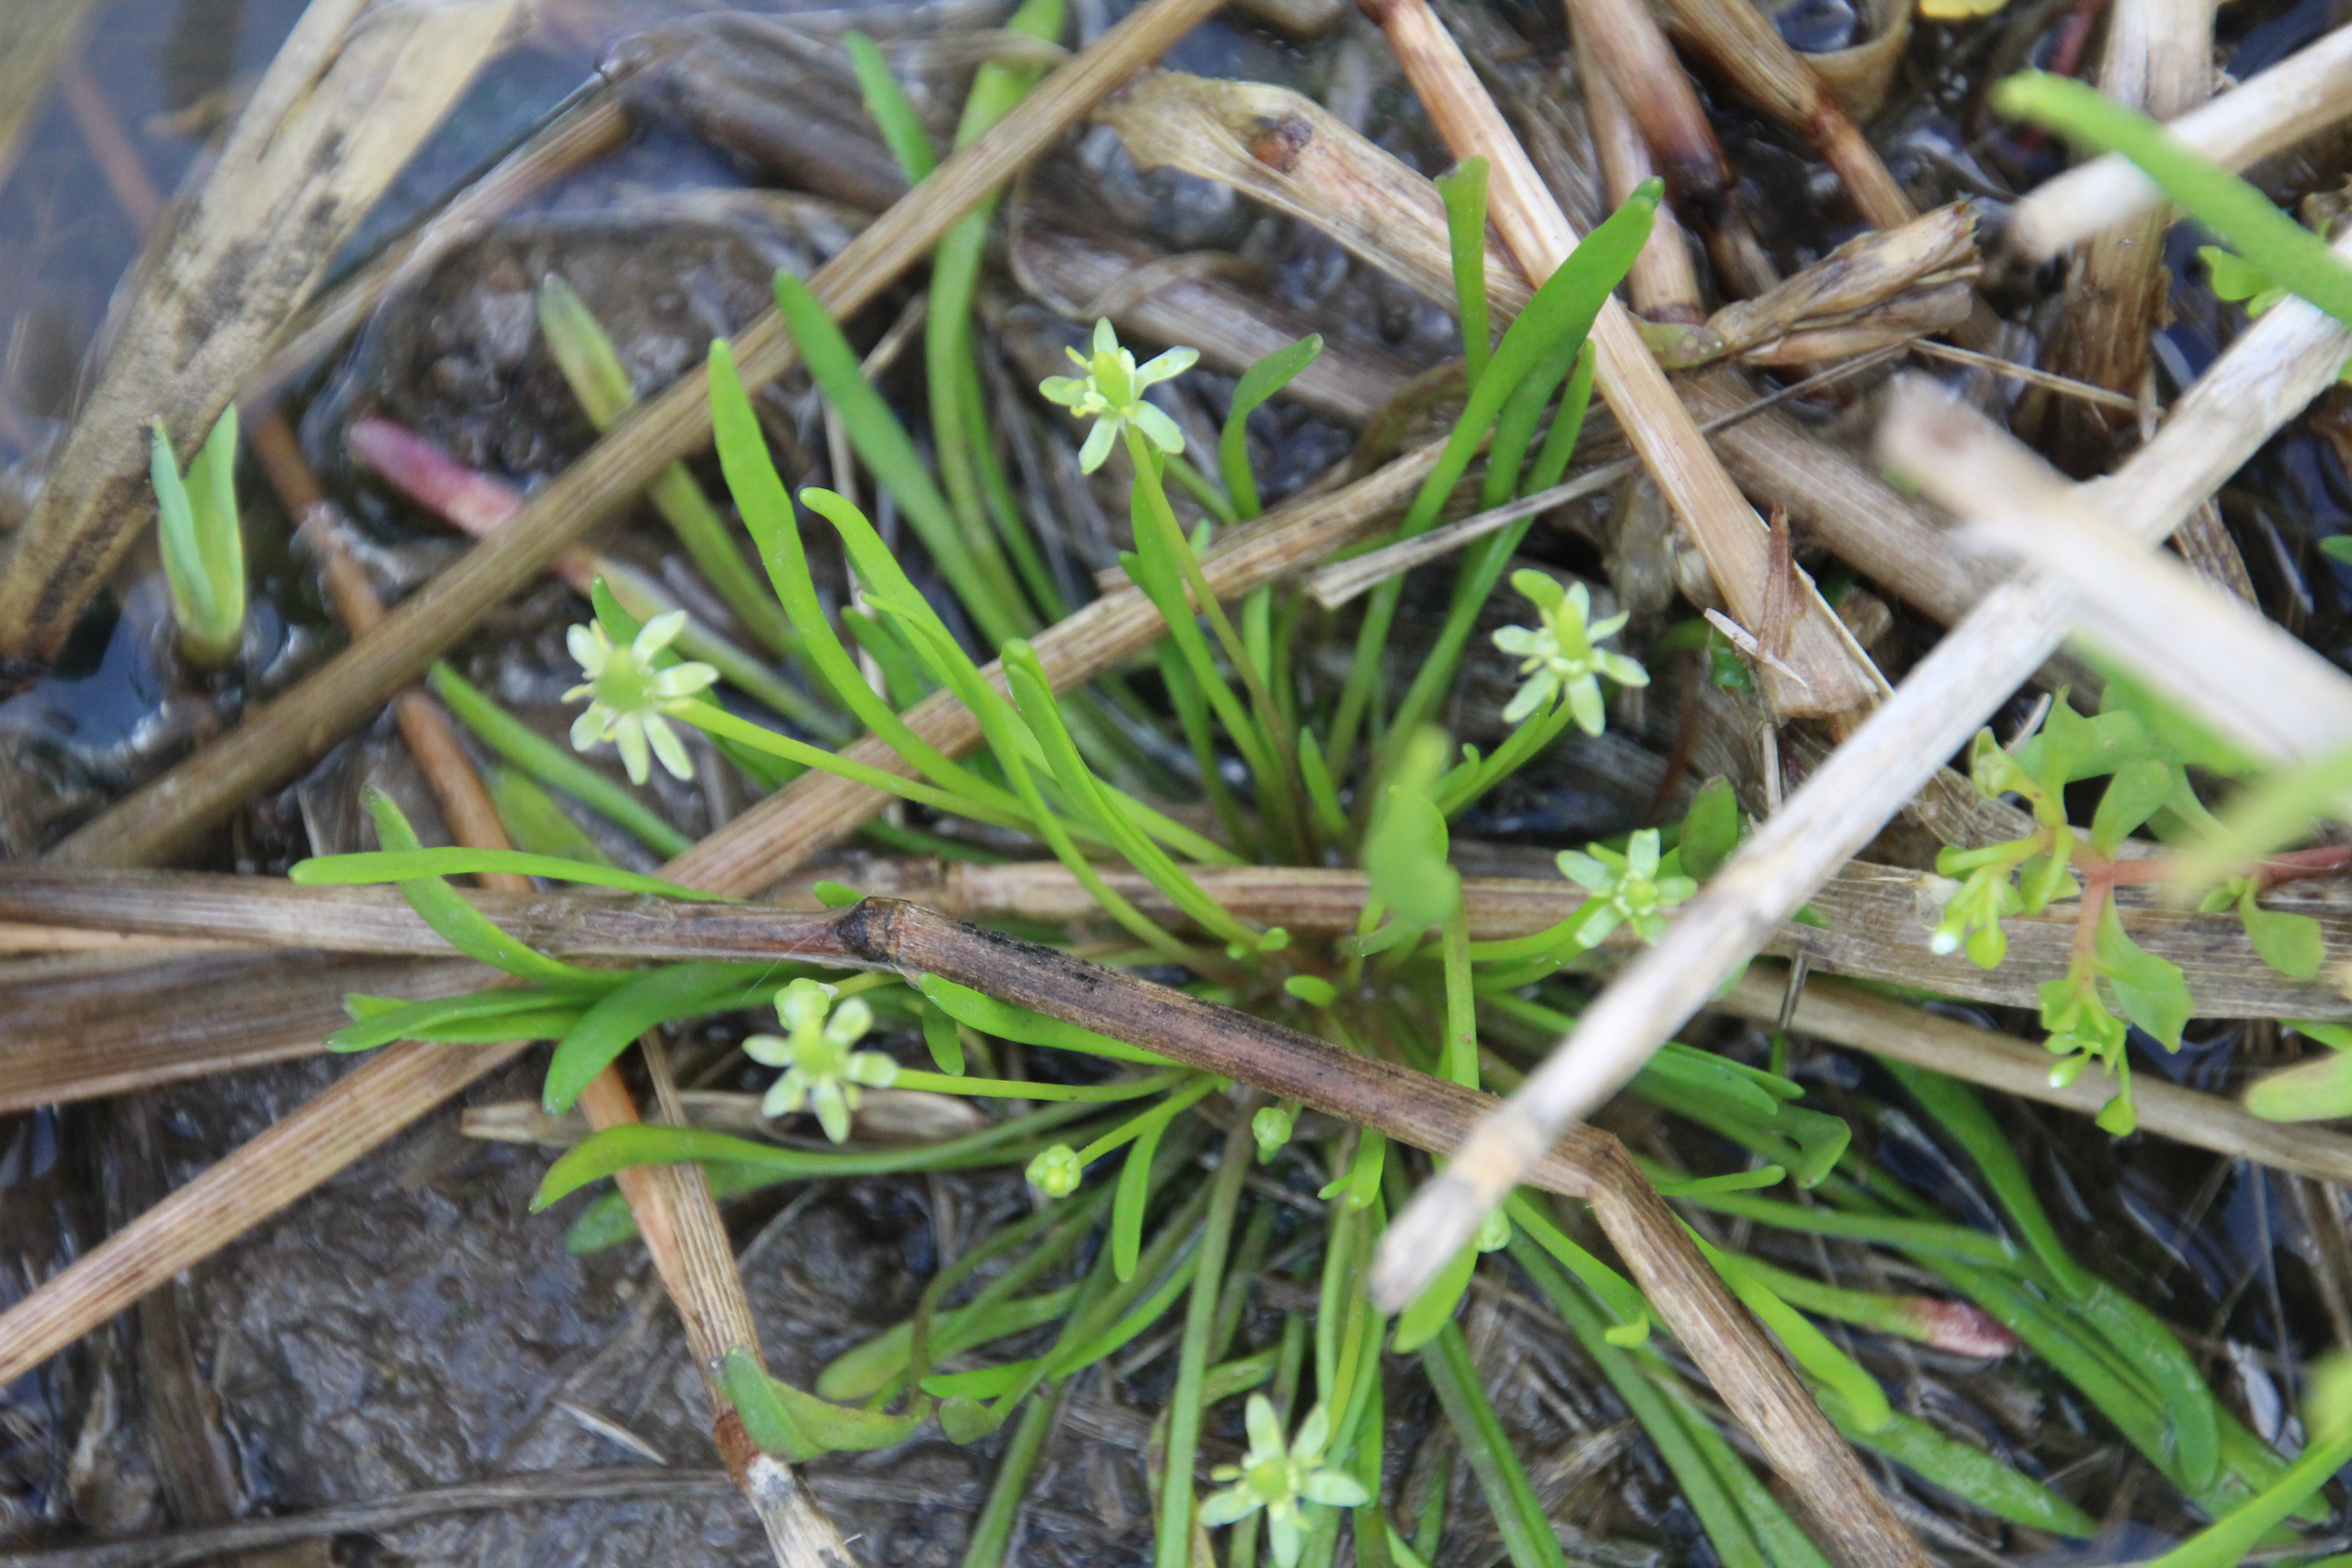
(886, 100)
(655, 996)
(627, 1148)
(1259, 382)
(399, 866)
(466, 927)
(1463, 191)
(970, 561)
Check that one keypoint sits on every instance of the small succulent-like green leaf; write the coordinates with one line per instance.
(2151, 991)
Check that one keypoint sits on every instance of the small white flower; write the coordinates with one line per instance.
(1279, 1480)
(1636, 894)
(820, 1069)
(628, 695)
(1559, 657)
(1110, 391)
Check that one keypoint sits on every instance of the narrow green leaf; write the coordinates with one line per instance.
(1856, 1389)
(655, 996)
(1007, 1022)
(1431, 1311)
(1127, 1209)
(1710, 829)
(1259, 382)
(390, 866)
(379, 1020)
(886, 100)
(627, 1148)
(466, 927)
(973, 567)
(764, 1415)
(1463, 191)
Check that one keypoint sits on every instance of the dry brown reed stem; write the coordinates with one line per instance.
(1743, 43)
(1848, 1016)
(276, 740)
(1619, 41)
(2292, 101)
(817, 810)
(2288, 357)
(584, 130)
(2159, 59)
(672, 1206)
(1873, 930)
(2248, 676)
(353, 91)
(1832, 677)
(225, 1543)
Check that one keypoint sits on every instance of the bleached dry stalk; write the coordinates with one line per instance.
(2247, 675)
(280, 737)
(1833, 678)
(1848, 1016)
(2295, 100)
(357, 86)
(2285, 360)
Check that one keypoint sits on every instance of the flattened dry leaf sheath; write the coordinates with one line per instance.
(356, 89)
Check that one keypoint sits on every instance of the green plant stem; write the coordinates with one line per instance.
(1174, 1541)
(1510, 1498)
(1665, 1419)
(1172, 536)
(991, 1533)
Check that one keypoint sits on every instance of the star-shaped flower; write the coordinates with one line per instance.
(1627, 888)
(1110, 392)
(1280, 1479)
(1559, 656)
(820, 1069)
(629, 694)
